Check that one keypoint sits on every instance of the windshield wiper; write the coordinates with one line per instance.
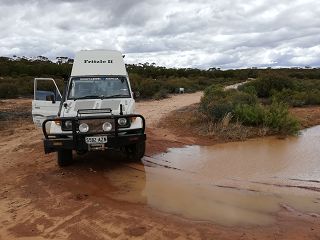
(89, 97)
(117, 95)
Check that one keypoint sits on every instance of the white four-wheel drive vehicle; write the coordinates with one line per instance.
(95, 112)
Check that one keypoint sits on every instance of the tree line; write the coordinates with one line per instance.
(151, 81)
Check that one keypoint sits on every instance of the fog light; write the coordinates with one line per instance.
(122, 121)
(107, 127)
(83, 127)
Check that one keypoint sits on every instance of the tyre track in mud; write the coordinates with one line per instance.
(40, 201)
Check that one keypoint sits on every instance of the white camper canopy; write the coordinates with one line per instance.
(98, 63)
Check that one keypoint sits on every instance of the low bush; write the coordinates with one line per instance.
(244, 108)
(278, 118)
(162, 93)
(291, 97)
(298, 99)
(8, 90)
(266, 85)
(313, 98)
(251, 115)
(294, 92)
(217, 102)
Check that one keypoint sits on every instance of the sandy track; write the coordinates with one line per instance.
(155, 110)
(40, 201)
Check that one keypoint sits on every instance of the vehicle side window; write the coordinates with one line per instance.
(44, 95)
(46, 91)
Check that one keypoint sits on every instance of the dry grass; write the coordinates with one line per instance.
(308, 116)
(14, 113)
(8, 127)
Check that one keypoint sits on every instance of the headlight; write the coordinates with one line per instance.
(122, 121)
(83, 127)
(107, 127)
(68, 124)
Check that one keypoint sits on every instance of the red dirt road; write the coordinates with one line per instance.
(38, 200)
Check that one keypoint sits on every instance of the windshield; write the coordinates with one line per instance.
(99, 87)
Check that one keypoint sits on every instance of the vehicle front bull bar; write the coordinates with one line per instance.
(75, 125)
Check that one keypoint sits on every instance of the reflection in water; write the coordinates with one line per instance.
(263, 158)
(233, 183)
(201, 201)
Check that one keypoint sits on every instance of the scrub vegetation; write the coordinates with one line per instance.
(266, 105)
(259, 107)
(262, 103)
(295, 92)
(246, 108)
(151, 81)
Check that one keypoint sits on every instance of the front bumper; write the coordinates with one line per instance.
(76, 140)
(55, 144)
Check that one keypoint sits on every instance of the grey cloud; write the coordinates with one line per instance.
(176, 33)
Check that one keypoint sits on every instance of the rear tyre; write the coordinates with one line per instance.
(136, 151)
(64, 157)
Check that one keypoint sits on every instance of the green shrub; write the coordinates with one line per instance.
(8, 90)
(244, 107)
(313, 97)
(147, 87)
(244, 98)
(298, 99)
(279, 119)
(294, 92)
(251, 115)
(162, 93)
(265, 85)
(248, 89)
(290, 97)
(216, 102)
(220, 109)
(209, 96)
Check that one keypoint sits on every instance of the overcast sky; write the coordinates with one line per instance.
(174, 33)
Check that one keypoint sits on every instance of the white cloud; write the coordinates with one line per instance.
(176, 33)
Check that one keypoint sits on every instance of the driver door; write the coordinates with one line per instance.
(46, 102)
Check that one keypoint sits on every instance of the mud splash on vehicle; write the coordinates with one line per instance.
(230, 184)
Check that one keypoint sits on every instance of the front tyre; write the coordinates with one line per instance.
(64, 157)
(136, 151)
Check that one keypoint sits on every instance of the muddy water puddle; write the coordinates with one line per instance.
(230, 184)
